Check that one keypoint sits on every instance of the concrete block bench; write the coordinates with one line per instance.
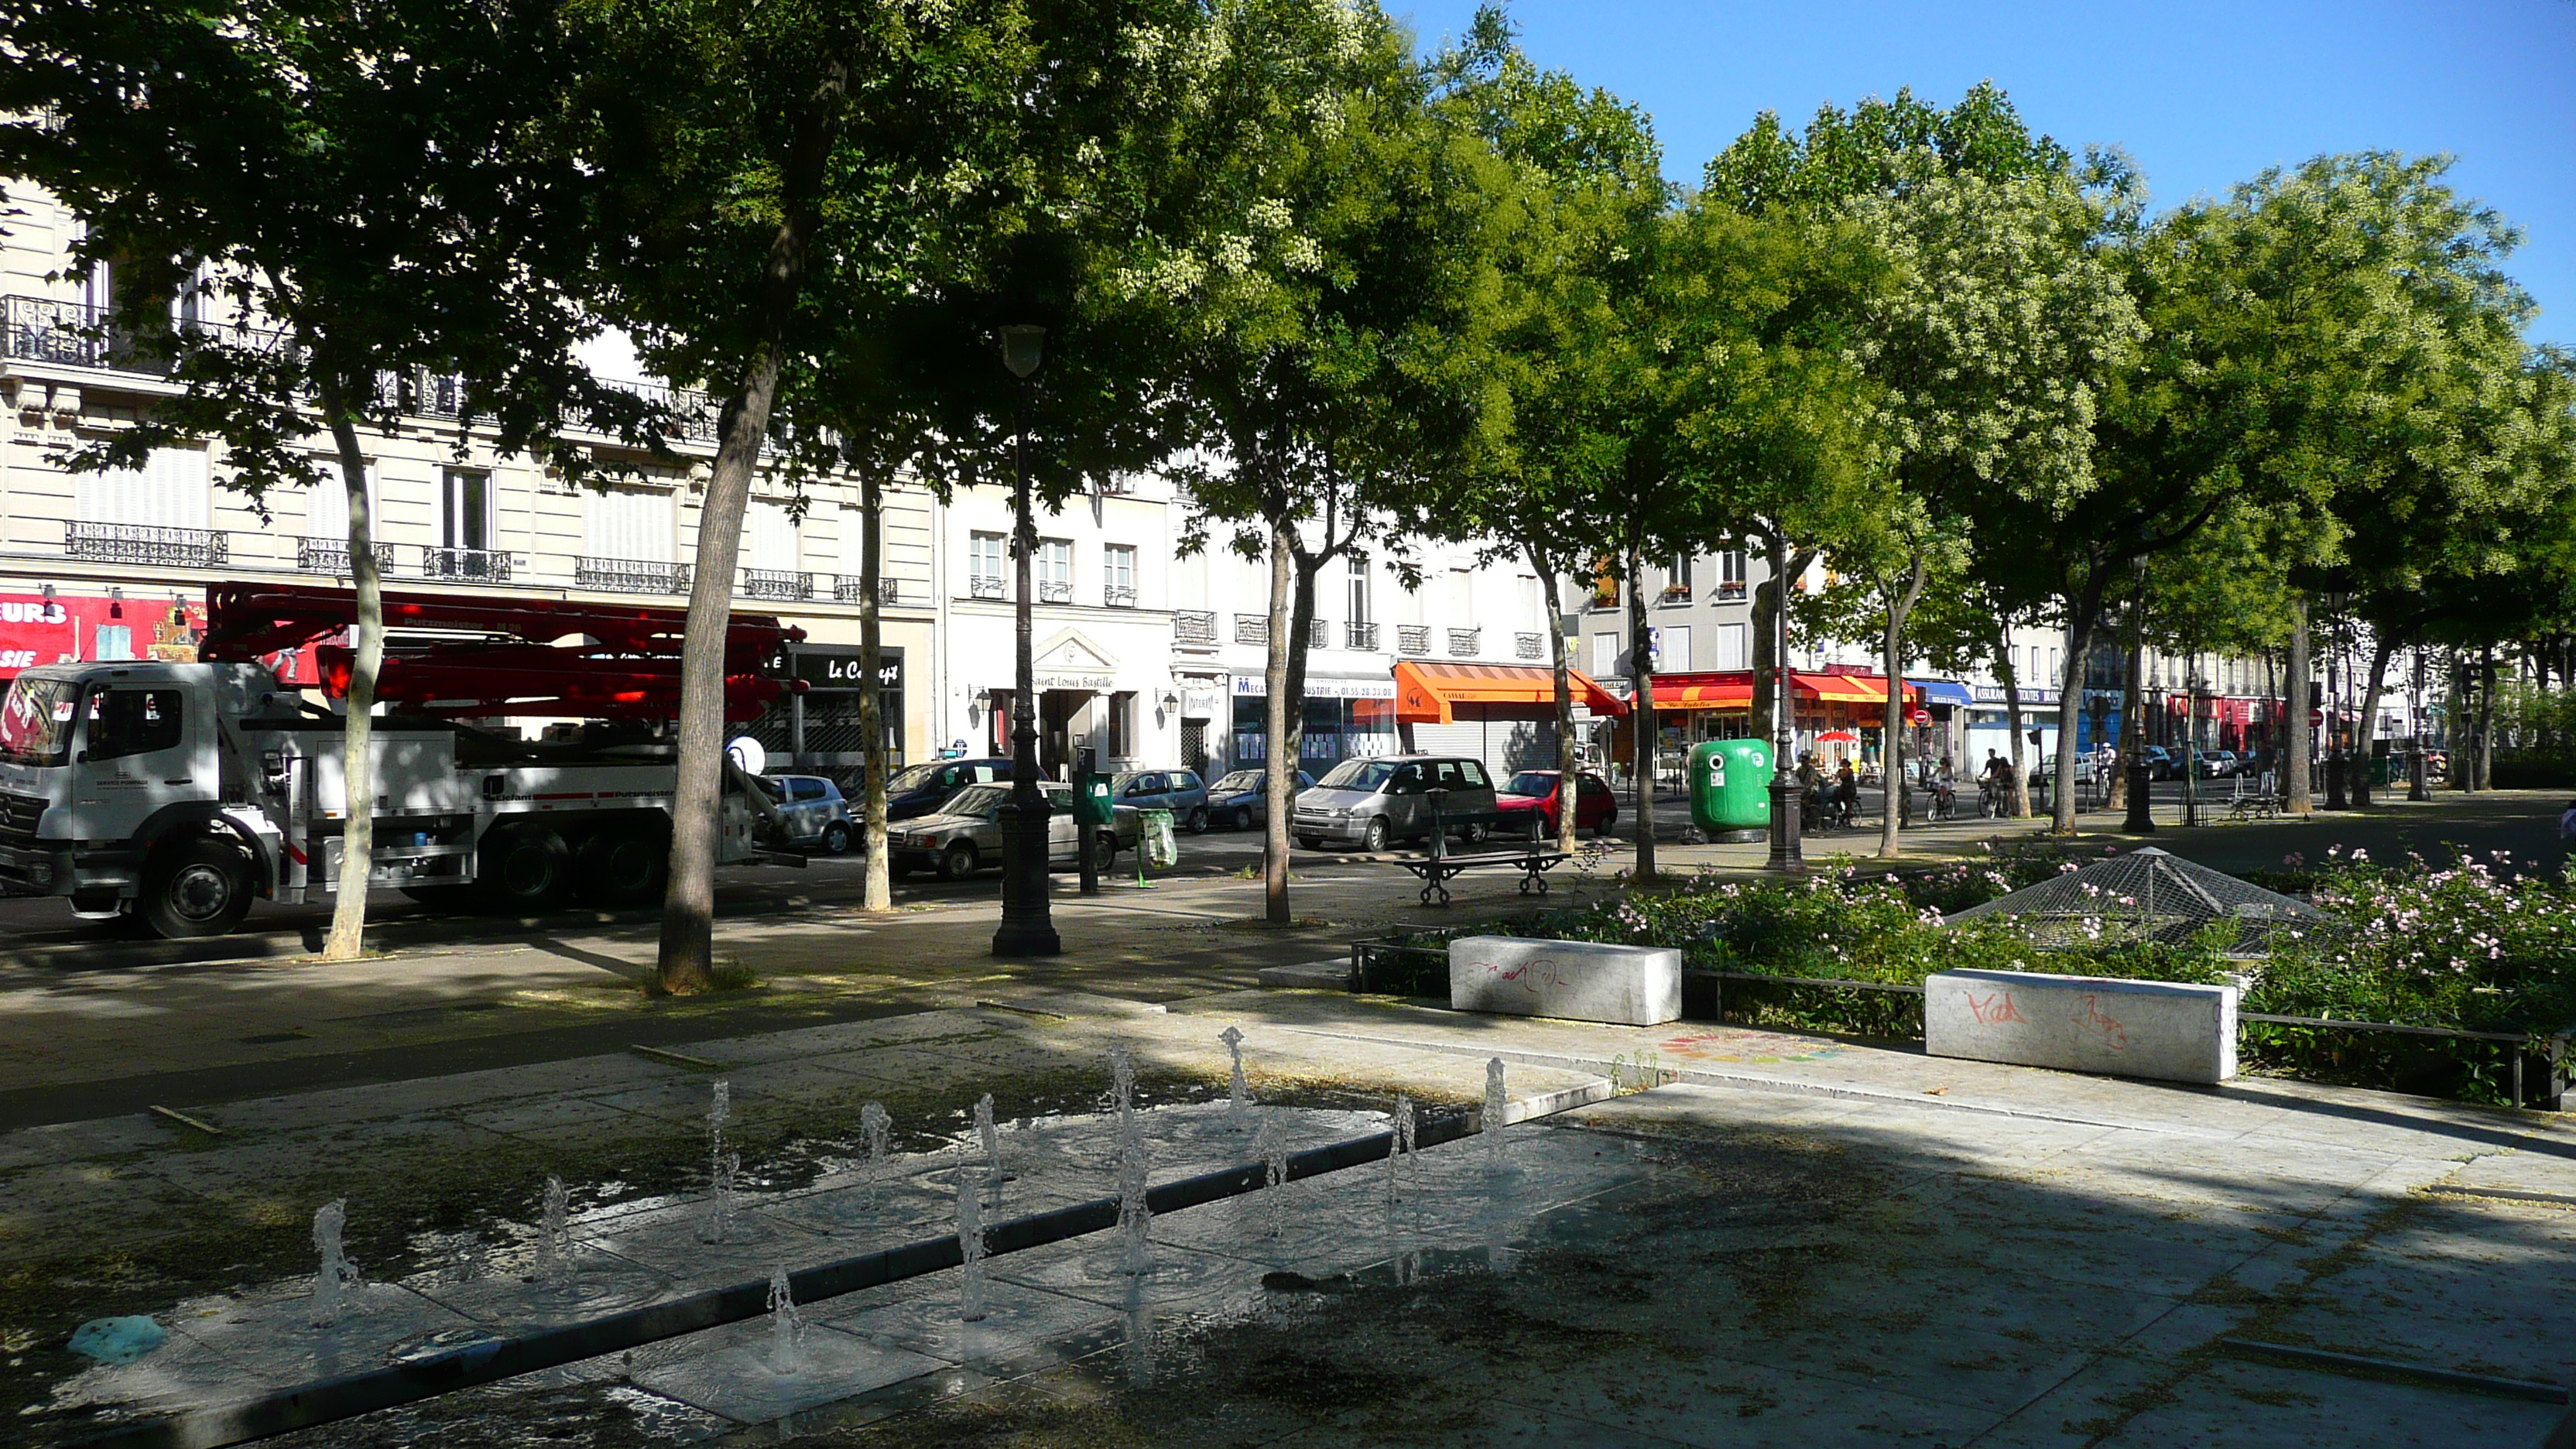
(1575, 980)
(2162, 1030)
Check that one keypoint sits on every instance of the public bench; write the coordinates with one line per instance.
(1438, 867)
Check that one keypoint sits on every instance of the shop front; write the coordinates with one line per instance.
(1835, 712)
(1342, 718)
(1502, 714)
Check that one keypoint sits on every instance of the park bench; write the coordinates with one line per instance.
(2263, 802)
(1437, 866)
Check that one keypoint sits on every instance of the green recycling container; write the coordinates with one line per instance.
(1730, 785)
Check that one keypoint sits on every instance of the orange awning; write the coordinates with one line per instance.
(1429, 693)
(1732, 689)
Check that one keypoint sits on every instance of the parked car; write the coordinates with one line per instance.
(1242, 799)
(2162, 763)
(966, 835)
(816, 814)
(1540, 794)
(2218, 764)
(1180, 791)
(923, 788)
(1373, 802)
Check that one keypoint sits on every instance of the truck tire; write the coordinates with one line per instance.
(958, 861)
(625, 867)
(198, 887)
(524, 869)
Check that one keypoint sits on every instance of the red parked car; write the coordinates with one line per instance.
(1538, 792)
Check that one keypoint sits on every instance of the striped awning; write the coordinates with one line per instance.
(1428, 693)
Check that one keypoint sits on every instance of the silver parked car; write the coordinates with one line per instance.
(965, 836)
(815, 813)
(1371, 803)
(1179, 791)
(1242, 799)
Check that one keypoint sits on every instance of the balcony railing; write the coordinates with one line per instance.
(1528, 646)
(1413, 639)
(75, 334)
(1731, 589)
(150, 544)
(1252, 628)
(480, 565)
(1194, 626)
(1359, 636)
(776, 584)
(1319, 634)
(1055, 591)
(331, 556)
(631, 576)
(1118, 596)
(851, 589)
(985, 586)
(1465, 642)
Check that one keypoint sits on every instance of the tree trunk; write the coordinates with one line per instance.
(1769, 598)
(2070, 700)
(2486, 717)
(2133, 734)
(2456, 733)
(1641, 678)
(1568, 796)
(2296, 746)
(687, 955)
(2017, 799)
(879, 888)
(1281, 718)
(347, 939)
(2359, 768)
(1891, 765)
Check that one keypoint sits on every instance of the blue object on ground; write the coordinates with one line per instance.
(118, 1340)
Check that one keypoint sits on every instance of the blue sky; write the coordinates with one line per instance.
(2203, 95)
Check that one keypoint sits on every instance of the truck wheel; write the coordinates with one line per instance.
(525, 870)
(625, 867)
(1198, 820)
(1375, 840)
(198, 887)
(958, 862)
(836, 839)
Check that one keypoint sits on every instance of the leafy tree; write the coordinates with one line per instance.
(366, 192)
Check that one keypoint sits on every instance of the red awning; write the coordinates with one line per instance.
(1427, 693)
(1732, 689)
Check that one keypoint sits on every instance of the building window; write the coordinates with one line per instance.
(1677, 580)
(326, 509)
(1672, 647)
(170, 490)
(1605, 656)
(1730, 574)
(1605, 583)
(1055, 570)
(1118, 576)
(464, 508)
(984, 565)
(1734, 646)
(627, 523)
(1360, 590)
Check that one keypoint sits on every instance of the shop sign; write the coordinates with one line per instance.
(1254, 686)
(1994, 694)
(845, 671)
(1096, 683)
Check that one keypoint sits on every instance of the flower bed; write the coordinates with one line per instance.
(2468, 947)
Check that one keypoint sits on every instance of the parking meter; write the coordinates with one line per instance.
(1092, 813)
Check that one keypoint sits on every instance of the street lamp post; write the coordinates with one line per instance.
(1787, 857)
(1028, 924)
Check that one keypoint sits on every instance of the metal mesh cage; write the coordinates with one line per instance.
(2147, 895)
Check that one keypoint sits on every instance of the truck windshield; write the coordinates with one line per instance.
(36, 720)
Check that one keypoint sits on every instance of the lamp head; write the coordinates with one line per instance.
(1023, 348)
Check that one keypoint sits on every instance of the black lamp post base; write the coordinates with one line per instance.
(1787, 856)
(1022, 938)
(2335, 797)
(2141, 821)
(1028, 924)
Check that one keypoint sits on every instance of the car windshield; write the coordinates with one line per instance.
(1364, 775)
(1239, 781)
(977, 800)
(913, 779)
(36, 720)
(1532, 782)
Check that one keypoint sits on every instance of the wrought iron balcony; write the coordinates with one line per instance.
(148, 544)
(1528, 646)
(776, 584)
(986, 586)
(1319, 634)
(1252, 628)
(1118, 596)
(1194, 626)
(1413, 639)
(631, 576)
(851, 589)
(75, 334)
(331, 556)
(481, 565)
(1357, 635)
(1055, 591)
(1465, 642)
